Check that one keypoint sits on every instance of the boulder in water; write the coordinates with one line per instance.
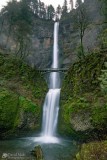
(37, 152)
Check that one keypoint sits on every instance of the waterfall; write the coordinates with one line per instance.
(51, 104)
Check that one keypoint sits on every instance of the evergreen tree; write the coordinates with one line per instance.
(42, 10)
(19, 23)
(11, 11)
(50, 12)
(34, 5)
(58, 12)
(23, 28)
(64, 8)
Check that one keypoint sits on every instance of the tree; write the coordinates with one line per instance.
(10, 14)
(34, 5)
(64, 8)
(50, 12)
(81, 22)
(42, 10)
(18, 16)
(23, 28)
(58, 12)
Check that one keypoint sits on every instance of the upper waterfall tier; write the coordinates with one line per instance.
(55, 63)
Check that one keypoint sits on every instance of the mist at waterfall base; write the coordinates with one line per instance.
(54, 148)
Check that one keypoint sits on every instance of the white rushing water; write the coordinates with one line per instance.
(51, 104)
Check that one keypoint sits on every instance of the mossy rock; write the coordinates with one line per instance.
(84, 114)
(81, 96)
(38, 153)
(28, 116)
(22, 90)
(17, 112)
(93, 151)
(76, 114)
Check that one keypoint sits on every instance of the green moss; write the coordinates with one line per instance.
(99, 116)
(22, 90)
(27, 105)
(83, 75)
(8, 108)
(103, 39)
(30, 78)
(72, 106)
(92, 151)
(81, 93)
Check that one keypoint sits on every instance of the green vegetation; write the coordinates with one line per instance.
(22, 90)
(103, 39)
(82, 98)
(82, 76)
(8, 108)
(92, 151)
(103, 80)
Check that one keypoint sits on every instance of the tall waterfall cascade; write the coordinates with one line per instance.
(51, 104)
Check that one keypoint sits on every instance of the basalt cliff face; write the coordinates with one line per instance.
(70, 35)
(41, 45)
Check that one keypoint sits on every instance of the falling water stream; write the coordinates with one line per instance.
(51, 104)
(54, 148)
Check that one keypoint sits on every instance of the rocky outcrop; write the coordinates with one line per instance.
(81, 121)
(38, 153)
(92, 151)
(71, 36)
(40, 46)
(94, 12)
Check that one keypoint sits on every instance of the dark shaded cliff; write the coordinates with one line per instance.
(40, 47)
(70, 34)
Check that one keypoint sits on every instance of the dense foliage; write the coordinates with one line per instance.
(84, 105)
(22, 91)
